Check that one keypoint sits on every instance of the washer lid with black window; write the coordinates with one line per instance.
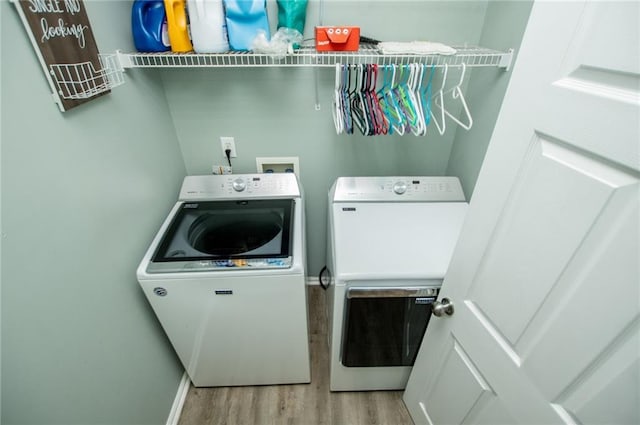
(212, 235)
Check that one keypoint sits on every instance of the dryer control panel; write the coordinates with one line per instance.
(239, 186)
(397, 188)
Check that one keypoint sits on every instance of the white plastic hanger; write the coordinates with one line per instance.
(337, 102)
(440, 96)
(415, 82)
(456, 93)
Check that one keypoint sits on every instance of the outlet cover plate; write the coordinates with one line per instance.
(228, 143)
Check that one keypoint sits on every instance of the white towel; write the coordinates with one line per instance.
(415, 47)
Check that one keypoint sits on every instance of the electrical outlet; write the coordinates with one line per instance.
(228, 143)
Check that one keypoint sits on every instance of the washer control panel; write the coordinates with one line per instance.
(258, 263)
(410, 189)
(239, 186)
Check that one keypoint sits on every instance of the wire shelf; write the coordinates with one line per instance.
(307, 56)
(82, 80)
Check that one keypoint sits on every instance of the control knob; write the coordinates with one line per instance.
(399, 188)
(239, 185)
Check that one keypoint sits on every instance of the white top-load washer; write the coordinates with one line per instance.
(390, 240)
(225, 276)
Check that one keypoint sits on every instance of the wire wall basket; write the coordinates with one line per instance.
(83, 80)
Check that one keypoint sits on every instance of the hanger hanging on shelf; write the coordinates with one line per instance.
(416, 85)
(396, 96)
(425, 97)
(366, 99)
(369, 75)
(403, 100)
(382, 125)
(415, 79)
(358, 108)
(338, 119)
(346, 105)
(389, 103)
(440, 96)
(456, 93)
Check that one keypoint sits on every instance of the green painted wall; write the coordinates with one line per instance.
(82, 195)
(503, 29)
(271, 111)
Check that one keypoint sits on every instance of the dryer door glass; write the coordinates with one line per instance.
(384, 329)
(228, 230)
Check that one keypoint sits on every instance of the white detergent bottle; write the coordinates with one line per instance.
(208, 26)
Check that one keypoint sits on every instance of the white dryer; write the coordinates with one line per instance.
(225, 276)
(390, 240)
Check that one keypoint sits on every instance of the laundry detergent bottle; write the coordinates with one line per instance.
(178, 26)
(208, 26)
(149, 26)
(245, 20)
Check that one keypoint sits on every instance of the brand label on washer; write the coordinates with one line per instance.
(348, 208)
(192, 206)
(224, 292)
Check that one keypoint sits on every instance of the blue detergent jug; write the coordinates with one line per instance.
(149, 26)
(245, 18)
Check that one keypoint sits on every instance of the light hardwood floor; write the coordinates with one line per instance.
(303, 404)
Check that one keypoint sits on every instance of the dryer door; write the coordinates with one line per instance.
(384, 326)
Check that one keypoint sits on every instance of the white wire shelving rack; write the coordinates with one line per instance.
(82, 80)
(308, 57)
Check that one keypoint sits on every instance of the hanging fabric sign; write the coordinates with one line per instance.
(61, 35)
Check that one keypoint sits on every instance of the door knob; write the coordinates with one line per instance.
(442, 307)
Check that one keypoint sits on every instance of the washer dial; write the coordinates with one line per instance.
(239, 185)
(399, 188)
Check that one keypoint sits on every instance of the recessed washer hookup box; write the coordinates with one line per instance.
(337, 39)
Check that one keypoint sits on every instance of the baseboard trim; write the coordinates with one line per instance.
(313, 281)
(178, 402)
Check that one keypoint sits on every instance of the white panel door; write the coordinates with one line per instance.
(545, 278)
